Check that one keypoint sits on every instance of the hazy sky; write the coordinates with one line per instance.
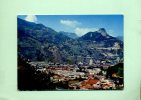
(80, 24)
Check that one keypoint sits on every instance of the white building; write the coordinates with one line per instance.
(91, 62)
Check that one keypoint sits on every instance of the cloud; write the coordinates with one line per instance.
(70, 23)
(82, 31)
(31, 18)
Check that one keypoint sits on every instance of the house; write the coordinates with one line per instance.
(88, 84)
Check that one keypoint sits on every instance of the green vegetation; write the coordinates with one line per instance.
(40, 43)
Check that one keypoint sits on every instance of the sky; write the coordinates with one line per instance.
(79, 24)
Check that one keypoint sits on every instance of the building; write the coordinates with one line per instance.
(91, 62)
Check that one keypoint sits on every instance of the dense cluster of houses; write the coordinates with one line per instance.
(88, 78)
(88, 82)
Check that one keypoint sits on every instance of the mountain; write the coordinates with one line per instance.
(37, 42)
(120, 38)
(101, 37)
(40, 43)
(98, 36)
(71, 35)
(39, 32)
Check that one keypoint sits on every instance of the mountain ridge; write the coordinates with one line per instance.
(40, 43)
(69, 34)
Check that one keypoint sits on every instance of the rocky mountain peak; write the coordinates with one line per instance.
(103, 31)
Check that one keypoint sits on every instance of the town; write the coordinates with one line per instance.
(90, 76)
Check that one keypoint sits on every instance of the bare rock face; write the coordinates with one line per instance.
(102, 31)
